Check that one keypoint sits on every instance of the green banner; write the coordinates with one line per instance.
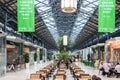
(106, 16)
(25, 13)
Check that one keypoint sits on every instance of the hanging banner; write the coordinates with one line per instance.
(25, 13)
(106, 16)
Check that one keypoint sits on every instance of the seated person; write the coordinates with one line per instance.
(96, 64)
(62, 62)
(117, 69)
(98, 78)
(106, 68)
(111, 70)
(94, 77)
(100, 66)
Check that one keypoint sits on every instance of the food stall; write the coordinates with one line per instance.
(113, 50)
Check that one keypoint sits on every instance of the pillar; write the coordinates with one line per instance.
(111, 54)
(38, 55)
(99, 52)
(45, 52)
(106, 53)
(3, 51)
(21, 50)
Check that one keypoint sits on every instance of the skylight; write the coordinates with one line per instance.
(45, 10)
(86, 10)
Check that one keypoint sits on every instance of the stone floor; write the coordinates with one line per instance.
(24, 74)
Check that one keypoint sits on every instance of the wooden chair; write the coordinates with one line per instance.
(79, 72)
(46, 70)
(77, 69)
(61, 72)
(35, 77)
(59, 77)
(83, 79)
(85, 76)
(43, 73)
(62, 69)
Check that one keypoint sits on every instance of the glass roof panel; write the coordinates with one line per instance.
(45, 11)
(86, 11)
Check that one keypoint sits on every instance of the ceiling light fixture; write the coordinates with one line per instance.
(65, 40)
(69, 6)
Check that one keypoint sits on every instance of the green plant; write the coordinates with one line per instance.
(35, 56)
(64, 56)
(26, 57)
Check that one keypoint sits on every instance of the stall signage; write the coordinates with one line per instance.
(115, 44)
(106, 16)
(25, 14)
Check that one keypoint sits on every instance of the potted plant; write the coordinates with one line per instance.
(35, 59)
(26, 59)
(64, 56)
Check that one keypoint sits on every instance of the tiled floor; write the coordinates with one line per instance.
(24, 74)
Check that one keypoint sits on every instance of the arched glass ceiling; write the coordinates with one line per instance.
(45, 10)
(85, 11)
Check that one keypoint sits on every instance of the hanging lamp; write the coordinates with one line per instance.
(68, 6)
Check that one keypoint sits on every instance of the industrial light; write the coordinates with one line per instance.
(69, 6)
(65, 40)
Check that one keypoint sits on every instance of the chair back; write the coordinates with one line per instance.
(59, 77)
(35, 76)
(85, 76)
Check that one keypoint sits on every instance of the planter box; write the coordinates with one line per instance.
(27, 65)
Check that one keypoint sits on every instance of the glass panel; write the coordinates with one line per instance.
(86, 10)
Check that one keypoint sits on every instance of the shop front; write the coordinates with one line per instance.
(33, 51)
(113, 50)
(14, 48)
(28, 49)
